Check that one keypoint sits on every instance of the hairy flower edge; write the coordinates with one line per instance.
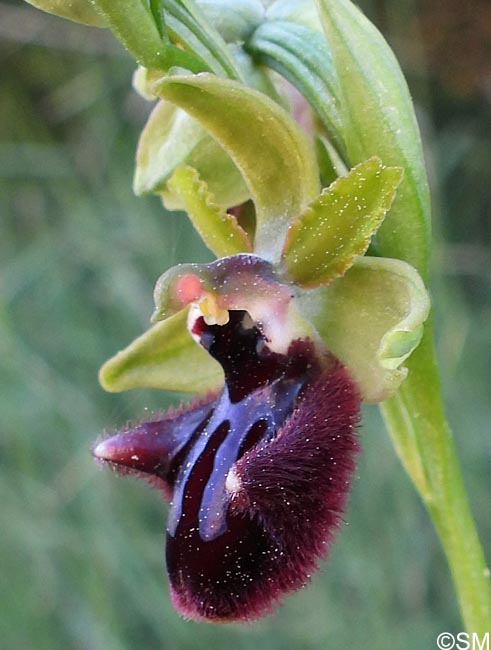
(258, 476)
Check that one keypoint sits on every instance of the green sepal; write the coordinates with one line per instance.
(164, 357)
(253, 75)
(379, 120)
(80, 11)
(337, 227)
(274, 156)
(371, 319)
(172, 138)
(218, 229)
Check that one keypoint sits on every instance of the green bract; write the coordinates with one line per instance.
(189, 26)
(302, 56)
(299, 12)
(235, 21)
(379, 120)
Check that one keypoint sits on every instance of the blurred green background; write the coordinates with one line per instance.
(81, 551)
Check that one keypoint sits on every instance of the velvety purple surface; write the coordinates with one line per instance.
(284, 427)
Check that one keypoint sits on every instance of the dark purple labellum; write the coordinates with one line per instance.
(258, 476)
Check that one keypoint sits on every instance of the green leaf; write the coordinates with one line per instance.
(379, 120)
(302, 56)
(172, 138)
(275, 158)
(165, 357)
(80, 11)
(371, 319)
(218, 229)
(337, 227)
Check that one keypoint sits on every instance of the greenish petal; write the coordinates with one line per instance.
(172, 138)
(274, 156)
(80, 11)
(371, 319)
(379, 120)
(218, 229)
(165, 357)
(337, 227)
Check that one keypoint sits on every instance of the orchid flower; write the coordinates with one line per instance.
(259, 470)
(317, 300)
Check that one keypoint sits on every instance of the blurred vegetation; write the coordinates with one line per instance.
(81, 551)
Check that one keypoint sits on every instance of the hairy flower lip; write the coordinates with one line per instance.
(149, 447)
(293, 490)
(248, 470)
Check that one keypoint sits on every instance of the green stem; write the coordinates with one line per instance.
(416, 422)
(133, 24)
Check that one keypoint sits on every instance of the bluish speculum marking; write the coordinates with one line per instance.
(259, 394)
(258, 475)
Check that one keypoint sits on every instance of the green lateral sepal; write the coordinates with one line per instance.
(371, 319)
(165, 357)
